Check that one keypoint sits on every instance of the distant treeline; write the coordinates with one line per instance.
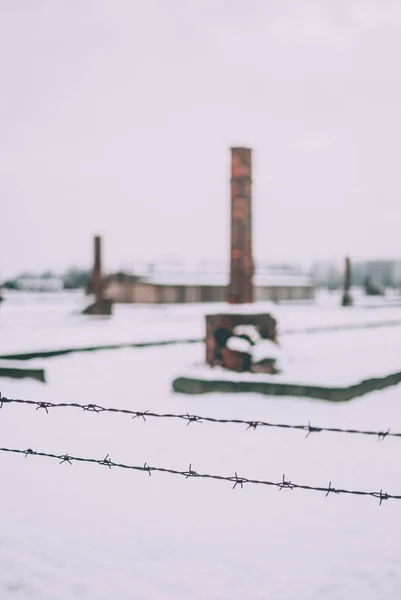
(73, 278)
(385, 273)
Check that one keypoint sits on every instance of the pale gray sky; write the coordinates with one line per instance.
(116, 116)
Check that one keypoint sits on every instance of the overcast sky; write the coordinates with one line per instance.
(116, 117)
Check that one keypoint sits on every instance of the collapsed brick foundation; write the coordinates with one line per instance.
(220, 328)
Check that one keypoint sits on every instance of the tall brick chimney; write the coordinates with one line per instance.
(347, 299)
(97, 282)
(240, 289)
(101, 305)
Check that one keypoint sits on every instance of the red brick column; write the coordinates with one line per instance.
(97, 282)
(241, 273)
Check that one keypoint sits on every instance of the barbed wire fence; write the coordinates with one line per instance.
(190, 472)
(188, 419)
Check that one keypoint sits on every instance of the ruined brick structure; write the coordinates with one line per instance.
(219, 327)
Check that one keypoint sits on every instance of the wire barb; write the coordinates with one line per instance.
(92, 408)
(383, 434)
(139, 415)
(64, 459)
(107, 461)
(146, 468)
(286, 485)
(239, 481)
(44, 405)
(193, 419)
(382, 496)
(191, 473)
(331, 490)
(312, 430)
(252, 425)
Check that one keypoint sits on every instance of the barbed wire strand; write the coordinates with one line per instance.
(235, 479)
(95, 408)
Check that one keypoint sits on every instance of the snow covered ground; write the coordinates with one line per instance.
(30, 322)
(84, 531)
